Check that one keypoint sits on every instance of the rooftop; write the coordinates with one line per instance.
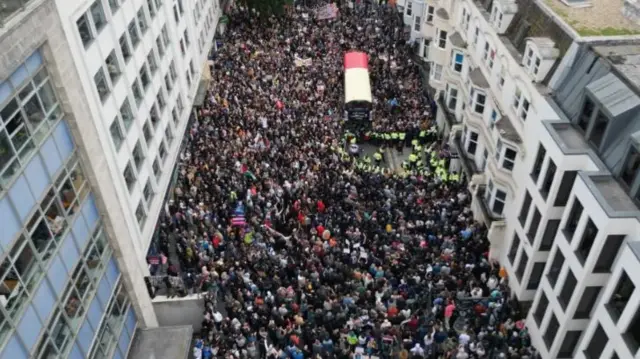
(625, 58)
(613, 194)
(162, 343)
(602, 18)
(571, 138)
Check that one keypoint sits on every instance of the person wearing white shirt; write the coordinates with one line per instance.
(464, 338)
(417, 350)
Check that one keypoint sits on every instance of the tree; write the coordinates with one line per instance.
(267, 7)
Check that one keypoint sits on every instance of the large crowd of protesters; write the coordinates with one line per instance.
(300, 252)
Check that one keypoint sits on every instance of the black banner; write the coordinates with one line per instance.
(359, 115)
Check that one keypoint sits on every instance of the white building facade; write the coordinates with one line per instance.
(546, 132)
(95, 97)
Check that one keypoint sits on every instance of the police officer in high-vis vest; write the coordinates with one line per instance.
(377, 157)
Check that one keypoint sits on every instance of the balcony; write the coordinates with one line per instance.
(8, 8)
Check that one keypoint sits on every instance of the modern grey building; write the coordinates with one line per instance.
(94, 101)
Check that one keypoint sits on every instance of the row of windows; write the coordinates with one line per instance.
(616, 304)
(58, 337)
(520, 104)
(112, 324)
(31, 110)
(505, 155)
(24, 265)
(138, 155)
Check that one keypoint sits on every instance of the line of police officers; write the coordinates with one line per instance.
(414, 165)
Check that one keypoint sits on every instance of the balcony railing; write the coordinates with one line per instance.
(8, 8)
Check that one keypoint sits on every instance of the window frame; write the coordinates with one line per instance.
(456, 65)
(19, 145)
(452, 98)
(436, 69)
(502, 160)
(521, 105)
(493, 198)
(531, 60)
(475, 103)
(441, 40)
(430, 13)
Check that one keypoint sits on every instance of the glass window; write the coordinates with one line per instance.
(160, 100)
(173, 72)
(147, 131)
(148, 193)
(180, 104)
(586, 114)
(113, 67)
(152, 9)
(151, 60)
(47, 96)
(17, 128)
(165, 36)
(61, 336)
(137, 92)
(162, 151)
(114, 5)
(79, 181)
(186, 38)
(630, 167)
(19, 273)
(183, 48)
(176, 17)
(85, 30)
(141, 215)
(97, 13)
(129, 176)
(116, 133)
(138, 155)
(144, 77)
(127, 114)
(101, 84)
(621, 296)
(167, 83)
(180, 7)
(188, 76)
(35, 115)
(174, 115)
(157, 170)
(105, 342)
(498, 203)
(599, 127)
(54, 216)
(160, 47)
(142, 20)
(8, 159)
(134, 35)
(67, 194)
(95, 255)
(155, 117)
(191, 68)
(168, 133)
(124, 47)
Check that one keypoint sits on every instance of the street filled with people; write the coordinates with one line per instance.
(301, 250)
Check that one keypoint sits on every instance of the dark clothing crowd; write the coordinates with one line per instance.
(296, 251)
